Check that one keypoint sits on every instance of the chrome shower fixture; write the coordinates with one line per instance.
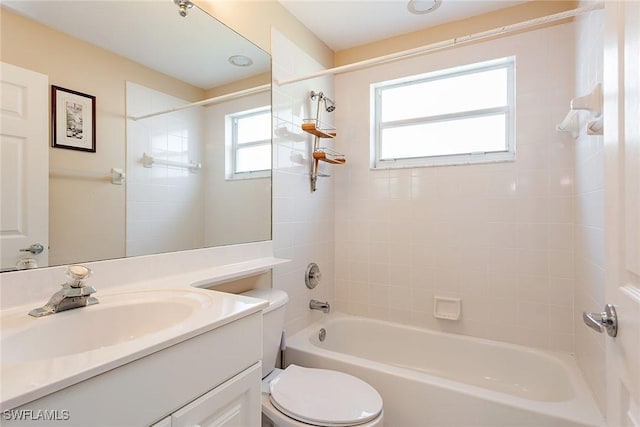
(184, 6)
(329, 105)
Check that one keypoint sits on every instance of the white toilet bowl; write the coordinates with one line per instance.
(303, 397)
(298, 397)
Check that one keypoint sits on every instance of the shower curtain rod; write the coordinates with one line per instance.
(209, 101)
(446, 44)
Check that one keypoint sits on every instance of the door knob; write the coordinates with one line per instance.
(35, 249)
(608, 319)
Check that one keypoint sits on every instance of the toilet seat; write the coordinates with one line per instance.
(324, 398)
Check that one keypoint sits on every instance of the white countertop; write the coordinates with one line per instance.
(29, 374)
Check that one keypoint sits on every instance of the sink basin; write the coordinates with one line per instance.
(118, 318)
(40, 356)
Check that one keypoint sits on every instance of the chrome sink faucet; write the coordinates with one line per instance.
(319, 305)
(74, 294)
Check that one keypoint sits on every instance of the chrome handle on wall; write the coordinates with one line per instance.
(608, 319)
(35, 249)
(312, 276)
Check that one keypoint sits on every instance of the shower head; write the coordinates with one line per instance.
(329, 105)
(183, 6)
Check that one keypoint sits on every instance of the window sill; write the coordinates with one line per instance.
(249, 176)
(461, 160)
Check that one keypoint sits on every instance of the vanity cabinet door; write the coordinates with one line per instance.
(233, 403)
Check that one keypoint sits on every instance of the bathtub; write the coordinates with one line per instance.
(431, 379)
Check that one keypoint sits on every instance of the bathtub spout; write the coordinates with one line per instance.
(319, 305)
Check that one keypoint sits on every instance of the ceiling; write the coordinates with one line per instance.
(152, 32)
(194, 49)
(343, 24)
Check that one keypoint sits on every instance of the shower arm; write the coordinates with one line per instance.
(329, 104)
(318, 121)
(320, 96)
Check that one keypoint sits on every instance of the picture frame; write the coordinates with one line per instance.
(73, 120)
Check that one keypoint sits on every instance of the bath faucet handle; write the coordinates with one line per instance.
(76, 275)
(76, 286)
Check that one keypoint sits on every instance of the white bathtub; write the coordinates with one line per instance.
(431, 379)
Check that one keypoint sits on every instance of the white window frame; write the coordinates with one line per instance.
(232, 144)
(508, 154)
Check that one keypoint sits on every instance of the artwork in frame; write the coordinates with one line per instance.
(73, 119)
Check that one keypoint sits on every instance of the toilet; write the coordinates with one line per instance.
(303, 397)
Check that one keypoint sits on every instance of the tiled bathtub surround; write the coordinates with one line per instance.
(589, 209)
(302, 221)
(500, 236)
(157, 195)
(243, 197)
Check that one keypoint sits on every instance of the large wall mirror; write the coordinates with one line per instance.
(180, 106)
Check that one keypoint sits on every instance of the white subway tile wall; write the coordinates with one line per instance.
(248, 201)
(500, 236)
(303, 221)
(158, 194)
(589, 210)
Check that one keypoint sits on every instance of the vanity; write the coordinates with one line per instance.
(163, 351)
(204, 367)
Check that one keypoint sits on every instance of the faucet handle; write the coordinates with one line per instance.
(77, 274)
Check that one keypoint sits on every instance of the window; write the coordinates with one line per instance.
(455, 116)
(250, 146)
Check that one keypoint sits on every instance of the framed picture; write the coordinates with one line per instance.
(73, 118)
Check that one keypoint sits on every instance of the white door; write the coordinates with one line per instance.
(24, 166)
(622, 208)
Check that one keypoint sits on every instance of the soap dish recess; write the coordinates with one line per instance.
(447, 308)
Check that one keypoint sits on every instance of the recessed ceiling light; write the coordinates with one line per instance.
(240, 60)
(420, 7)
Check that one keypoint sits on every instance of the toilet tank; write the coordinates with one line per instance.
(272, 324)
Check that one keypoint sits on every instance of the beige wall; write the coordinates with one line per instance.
(76, 206)
(238, 85)
(512, 15)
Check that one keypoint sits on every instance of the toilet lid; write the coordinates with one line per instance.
(324, 398)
